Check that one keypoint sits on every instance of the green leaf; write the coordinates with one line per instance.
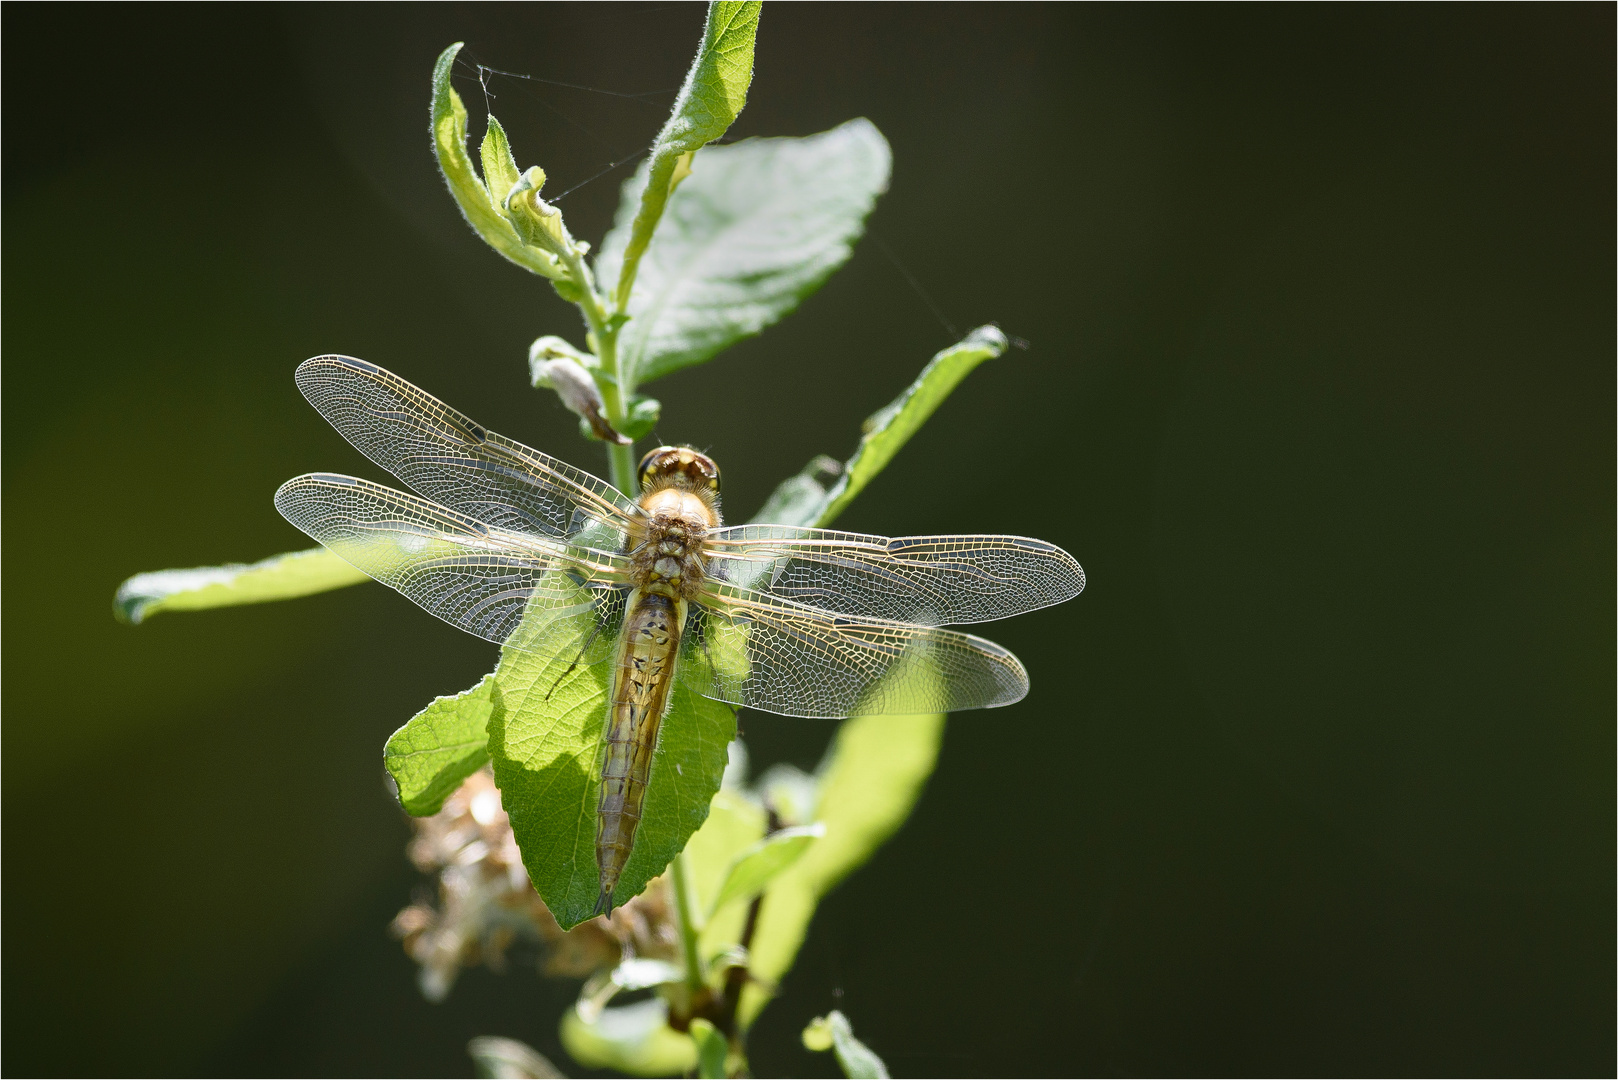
(508, 1059)
(871, 779)
(795, 501)
(759, 864)
(712, 1049)
(644, 413)
(834, 1032)
(634, 1039)
(545, 740)
(440, 747)
(470, 193)
(757, 227)
(714, 92)
(281, 577)
(799, 500)
(538, 222)
(500, 172)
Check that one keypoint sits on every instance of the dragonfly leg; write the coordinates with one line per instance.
(589, 641)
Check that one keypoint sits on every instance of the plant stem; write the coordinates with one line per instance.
(688, 928)
(620, 459)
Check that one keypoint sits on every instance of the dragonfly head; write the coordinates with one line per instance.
(679, 466)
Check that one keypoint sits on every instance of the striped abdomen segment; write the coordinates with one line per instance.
(643, 678)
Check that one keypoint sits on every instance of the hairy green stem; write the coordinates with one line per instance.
(688, 927)
(615, 399)
(620, 458)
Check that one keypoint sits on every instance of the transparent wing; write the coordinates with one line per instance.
(930, 580)
(513, 589)
(748, 648)
(453, 460)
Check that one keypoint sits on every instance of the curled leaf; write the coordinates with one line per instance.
(633, 973)
(500, 172)
(470, 192)
(551, 347)
(537, 221)
(884, 434)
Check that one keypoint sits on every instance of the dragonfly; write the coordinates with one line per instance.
(523, 549)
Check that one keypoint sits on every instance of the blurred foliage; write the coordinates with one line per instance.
(834, 1032)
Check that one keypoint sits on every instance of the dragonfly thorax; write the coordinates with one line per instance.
(669, 559)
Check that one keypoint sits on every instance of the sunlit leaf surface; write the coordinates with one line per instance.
(545, 740)
(282, 577)
(712, 1049)
(755, 228)
(735, 822)
(440, 747)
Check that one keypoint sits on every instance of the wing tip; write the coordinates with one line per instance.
(309, 373)
(352, 363)
(331, 478)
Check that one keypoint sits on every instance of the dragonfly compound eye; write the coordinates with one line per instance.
(680, 465)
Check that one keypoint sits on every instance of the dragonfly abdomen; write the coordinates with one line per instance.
(643, 678)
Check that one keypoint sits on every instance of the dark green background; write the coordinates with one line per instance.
(1317, 775)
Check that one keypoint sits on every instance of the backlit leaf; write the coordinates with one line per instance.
(440, 747)
(870, 781)
(712, 1049)
(281, 577)
(735, 822)
(545, 740)
(500, 172)
(755, 867)
(714, 92)
(757, 227)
